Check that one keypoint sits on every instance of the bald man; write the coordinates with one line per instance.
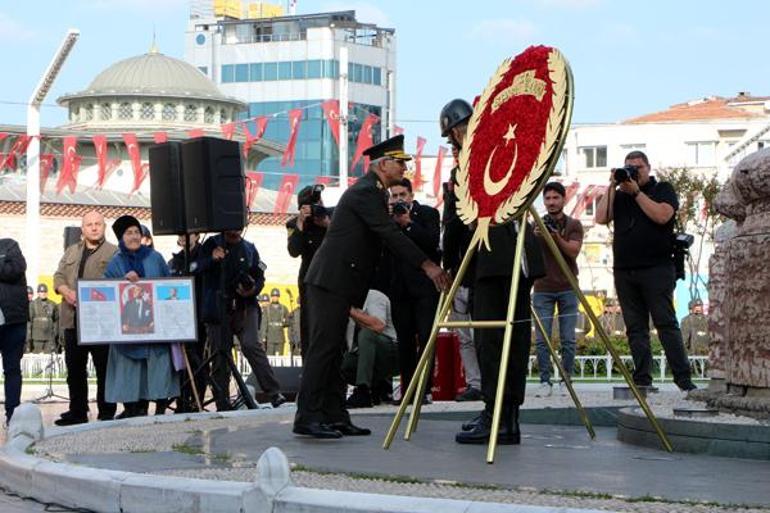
(86, 260)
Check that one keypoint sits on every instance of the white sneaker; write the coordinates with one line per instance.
(544, 390)
(563, 392)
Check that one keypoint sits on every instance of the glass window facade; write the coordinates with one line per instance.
(316, 152)
(299, 70)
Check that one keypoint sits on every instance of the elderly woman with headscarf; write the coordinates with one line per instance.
(137, 373)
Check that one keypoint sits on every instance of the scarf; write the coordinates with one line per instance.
(134, 259)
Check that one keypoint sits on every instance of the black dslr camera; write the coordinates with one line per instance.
(400, 208)
(626, 174)
(550, 223)
(682, 243)
(244, 280)
(314, 199)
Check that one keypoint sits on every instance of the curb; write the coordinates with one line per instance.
(112, 491)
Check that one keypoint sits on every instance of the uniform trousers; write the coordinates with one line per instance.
(321, 397)
(491, 304)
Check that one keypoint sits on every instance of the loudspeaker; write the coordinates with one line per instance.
(72, 235)
(166, 189)
(213, 185)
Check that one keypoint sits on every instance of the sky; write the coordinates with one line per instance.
(628, 58)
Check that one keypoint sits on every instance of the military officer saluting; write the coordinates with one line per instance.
(339, 278)
(44, 320)
(276, 318)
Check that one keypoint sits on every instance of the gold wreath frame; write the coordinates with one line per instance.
(516, 207)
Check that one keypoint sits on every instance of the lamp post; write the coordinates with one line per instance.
(33, 154)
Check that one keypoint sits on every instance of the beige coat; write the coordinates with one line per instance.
(67, 274)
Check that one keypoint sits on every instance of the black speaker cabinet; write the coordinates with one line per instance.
(213, 185)
(72, 235)
(166, 189)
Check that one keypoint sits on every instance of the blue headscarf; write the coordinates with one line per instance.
(134, 259)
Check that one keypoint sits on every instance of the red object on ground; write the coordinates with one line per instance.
(448, 375)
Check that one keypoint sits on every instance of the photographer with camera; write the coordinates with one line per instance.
(643, 249)
(306, 232)
(554, 288)
(414, 297)
(244, 277)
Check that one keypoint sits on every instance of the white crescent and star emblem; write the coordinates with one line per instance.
(493, 187)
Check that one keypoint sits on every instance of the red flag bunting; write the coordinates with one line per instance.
(100, 147)
(418, 180)
(253, 183)
(285, 193)
(437, 174)
(196, 132)
(352, 180)
(364, 141)
(46, 163)
(3, 135)
(397, 130)
(136, 160)
(323, 180)
(19, 147)
(261, 126)
(160, 137)
(295, 115)
(228, 130)
(570, 192)
(331, 110)
(584, 200)
(70, 165)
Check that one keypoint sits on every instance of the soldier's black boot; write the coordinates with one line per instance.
(509, 426)
(479, 431)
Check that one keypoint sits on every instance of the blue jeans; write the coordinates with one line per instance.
(12, 339)
(544, 304)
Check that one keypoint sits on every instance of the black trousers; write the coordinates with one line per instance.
(413, 319)
(650, 292)
(76, 360)
(304, 335)
(321, 395)
(195, 352)
(491, 304)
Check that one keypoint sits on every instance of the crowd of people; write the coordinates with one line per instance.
(371, 272)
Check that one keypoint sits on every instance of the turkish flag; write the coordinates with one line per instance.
(196, 132)
(3, 135)
(584, 200)
(70, 165)
(295, 115)
(100, 147)
(364, 141)
(19, 147)
(46, 163)
(417, 181)
(136, 160)
(331, 110)
(397, 130)
(570, 192)
(228, 130)
(160, 137)
(253, 183)
(285, 193)
(437, 173)
(97, 295)
(261, 126)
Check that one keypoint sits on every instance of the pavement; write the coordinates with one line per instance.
(554, 465)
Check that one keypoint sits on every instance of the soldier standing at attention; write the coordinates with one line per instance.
(44, 318)
(276, 318)
(695, 330)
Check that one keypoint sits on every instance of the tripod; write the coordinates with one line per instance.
(53, 361)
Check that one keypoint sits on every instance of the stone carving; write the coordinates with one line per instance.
(741, 281)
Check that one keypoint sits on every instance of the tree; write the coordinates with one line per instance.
(696, 212)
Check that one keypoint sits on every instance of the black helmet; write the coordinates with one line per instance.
(454, 113)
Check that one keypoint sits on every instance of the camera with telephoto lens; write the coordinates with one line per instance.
(626, 174)
(550, 223)
(400, 208)
(682, 243)
(245, 281)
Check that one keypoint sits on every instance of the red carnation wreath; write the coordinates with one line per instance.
(515, 136)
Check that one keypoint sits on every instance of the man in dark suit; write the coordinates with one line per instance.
(413, 297)
(339, 278)
(492, 288)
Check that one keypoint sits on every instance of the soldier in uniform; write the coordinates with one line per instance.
(612, 319)
(44, 319)
(276, 318)
(306, 233)
(28, 340)
(492, 287)
(695, 330)
(339, 278)
(295, 330)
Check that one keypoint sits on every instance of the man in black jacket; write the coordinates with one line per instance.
(339, 278)
(413, 297)
(306, 233)
(14, 314)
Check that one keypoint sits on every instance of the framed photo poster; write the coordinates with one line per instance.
(121, 312)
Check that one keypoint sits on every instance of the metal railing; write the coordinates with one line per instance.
(587, 368)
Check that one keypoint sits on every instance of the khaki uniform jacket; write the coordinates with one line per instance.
(67, 274)
(43, 314)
